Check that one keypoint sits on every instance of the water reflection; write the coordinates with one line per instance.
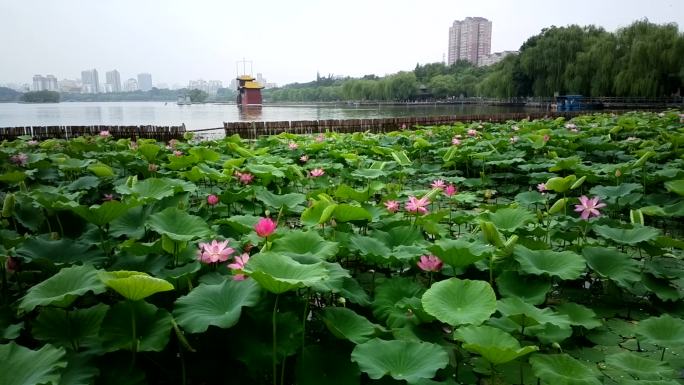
(116, 115)
(250, 113)
(93, 114)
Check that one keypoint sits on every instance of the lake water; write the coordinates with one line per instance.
(201, 116)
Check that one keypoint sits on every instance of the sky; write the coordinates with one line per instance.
(286, 41)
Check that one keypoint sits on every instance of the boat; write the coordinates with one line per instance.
(183, 100)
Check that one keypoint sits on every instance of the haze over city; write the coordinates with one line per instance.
(288, 42)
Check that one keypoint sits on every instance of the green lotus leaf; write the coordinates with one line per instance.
(61, 251)
(640, 367)
(344, 191)
(265, 171)
(495, 345)
(525, 314)
(205, 154)
(63, 288)
(13, 176)
(460, 302)
(579, 315)
(402, 360)
(346, 324)
(612, 264)
(150, 189)
(178, 225)
(131, 224)
(84, 183)
(528, 198)
(305, 243)
(23, 366)
(149, 151)
(279, 273)
(134, 285)
(81, 370)
(289, 201)
(676, 186)
(369, 246)
(390, 297)
(561, 369)
(628, 236)
(348, 213)
(559, 184)
(510, 219)
(563, 264)
(137, 321)
(100, 215)
(613, 194)
(673, 210)
(531, 289)
(319, 212)
(662, 288)
(369, 173)
(71, 329)
(215, 305)
(326, 364)
(101, 170)
(665, 331)
(459, 252)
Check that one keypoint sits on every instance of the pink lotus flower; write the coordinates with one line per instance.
(239, 264)
(214, 252)
(472, 132)
(450, 190)
(570, 126)
(546, 138)
(403, 126)
(541, 187)
(178, 153)
(108, 197)
(105, 134)
(392, 206)
(20, 159)
(514, 139)
(244, 178)
(152, 167)
(455, 141)
(304, 158)
(173, 143)
(320, 138)
(11, 264)
(316, 172)
(32, 143)
(265, 227)
(212, 199)
(589, 207)
(430, 263)
(438, 183)
(415, 205)
(293, 146)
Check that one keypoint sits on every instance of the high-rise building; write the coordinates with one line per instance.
(131, 85)
(494, 58)
(144, 82)
(90, 81)
(39, 83)
(44, 83)
(113, 81)
(51, 83)
(470, 39)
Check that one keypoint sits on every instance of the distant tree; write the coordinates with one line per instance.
(9, 95)
(197, 96)
(40, 97)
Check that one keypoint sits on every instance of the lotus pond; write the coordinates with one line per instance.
(530, 252)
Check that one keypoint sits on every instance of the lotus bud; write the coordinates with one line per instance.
(8, 205)
(618, 173)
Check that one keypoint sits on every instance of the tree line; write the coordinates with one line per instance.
(641, 60)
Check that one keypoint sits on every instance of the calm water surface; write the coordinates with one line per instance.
(199, 116)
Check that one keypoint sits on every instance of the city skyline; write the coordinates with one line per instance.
(289, 41)
(470, 40)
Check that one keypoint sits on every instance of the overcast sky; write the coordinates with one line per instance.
(287, 41)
